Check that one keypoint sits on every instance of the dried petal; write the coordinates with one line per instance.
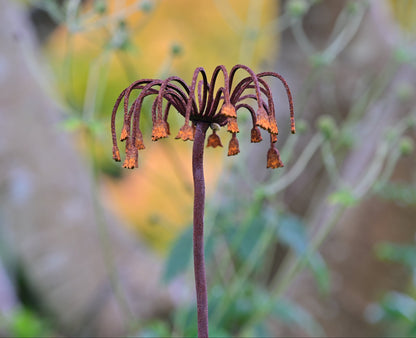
(273, 158)
(262, 119)
(233, 146)
(256, 135)
(273, 138)
(159, 130)
(124, 132)
(139, 140)
(228, 110)
(232, 125)
(214, 140)
(131, 160)
(273, 126)
(116, 154)
(186, 133)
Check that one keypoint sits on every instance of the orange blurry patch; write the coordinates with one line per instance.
(156, 199)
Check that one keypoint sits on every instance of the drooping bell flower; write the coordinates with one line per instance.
(214, 140)
(273, 158)
(233, 146)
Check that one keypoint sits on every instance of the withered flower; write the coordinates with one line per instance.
(202, 105)
(214, 140)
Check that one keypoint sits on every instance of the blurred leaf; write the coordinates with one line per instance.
(259, 330)
(404, 254)
(100, 6)
(121, 38)
(250, 301)
(179, 255)
(398, 192)
(327, 126)
(25, 323)
(400, 305)
(297, 8)
(320, 272)
(293, 314)
(343, 197)
(155, 329)
(217, 332)
(292, 232)
(185, 320)
(72, 123)
(209, 247)
(250, 237)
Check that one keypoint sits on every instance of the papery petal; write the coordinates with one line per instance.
(232, 125)
(116, 154)
(131, 160)
(228, 110)
(262, 119)
(214, 140)
(273, 126)
(256, 135)
(233, 146)
(124, 133)
(273, 158)
(159, 130)
(186, 133)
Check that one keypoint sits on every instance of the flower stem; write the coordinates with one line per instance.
(198, 236)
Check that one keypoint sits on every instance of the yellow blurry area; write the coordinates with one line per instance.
(92, 71)
(157, 197)
(404, 12)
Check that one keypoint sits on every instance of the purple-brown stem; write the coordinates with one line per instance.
(198, 236)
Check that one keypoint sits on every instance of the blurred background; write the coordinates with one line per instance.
(322, 247)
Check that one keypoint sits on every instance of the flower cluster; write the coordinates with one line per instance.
(202, 101)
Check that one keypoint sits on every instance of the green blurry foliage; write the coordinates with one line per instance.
(179, 256)
(25, 323)
(297, 8)
(398, 192)
(240, 292)
(397, 310)
(327, 126)
(406, 146)
(343, 197)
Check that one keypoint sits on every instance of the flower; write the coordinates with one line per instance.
(233, 146)
(273, 158)
(186, 133)
(201, 101)
(256, 135)
(214, 140)
(232, 125)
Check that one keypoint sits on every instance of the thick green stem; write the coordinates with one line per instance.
(198, 236)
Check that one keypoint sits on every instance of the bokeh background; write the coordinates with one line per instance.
(322, 247)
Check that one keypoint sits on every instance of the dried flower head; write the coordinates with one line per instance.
(201, 101)
(202, 106)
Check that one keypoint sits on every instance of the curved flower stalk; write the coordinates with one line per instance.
(203, 105)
